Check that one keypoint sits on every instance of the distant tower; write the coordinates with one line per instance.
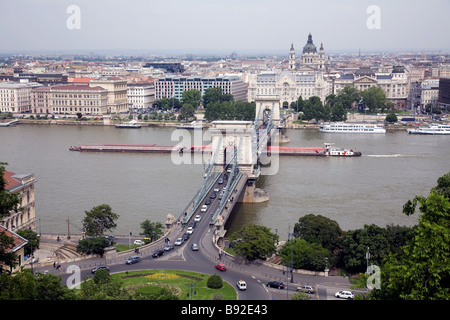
(309, 54)
(292, 58)
(321, 58)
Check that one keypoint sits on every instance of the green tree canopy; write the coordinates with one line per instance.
(152, 230)
(257, 242)
(99, 219)
(321, 230)
(309, 256)
(192, 97)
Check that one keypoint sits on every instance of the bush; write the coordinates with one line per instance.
(214, 282)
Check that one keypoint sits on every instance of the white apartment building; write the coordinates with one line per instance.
(429, 93)
(288, 85)
(15, 97)
(141, 94)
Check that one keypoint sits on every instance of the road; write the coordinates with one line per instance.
(255, 274)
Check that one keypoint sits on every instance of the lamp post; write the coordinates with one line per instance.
(192, 286)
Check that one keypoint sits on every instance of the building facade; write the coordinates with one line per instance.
(173, 87)
(395, 84)
(288, 86)
(141, 94)
(18, 247)
(16, 97)
(444, 93)
(70, 100)
(117, 96)
(311, 59)
(23, 186)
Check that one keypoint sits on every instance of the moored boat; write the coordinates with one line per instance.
(441, 129)
(128, 125)
(343, 127)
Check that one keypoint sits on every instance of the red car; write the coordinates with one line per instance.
(221, 267)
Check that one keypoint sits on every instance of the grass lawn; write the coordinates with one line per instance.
(179, 282)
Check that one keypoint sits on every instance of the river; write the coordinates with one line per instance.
(369, 189)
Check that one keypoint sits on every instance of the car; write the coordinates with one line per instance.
(197, 218)
(221, 267)
(192, 224)
(185, 236)
(158, 253)
(208, 202)
(204, 208)
(194, 247)
(213, 195)
(344, 294)
(100, 268)
(275, 284)
(138, 242)
(220, 180)
(307, 289)
(242, 285)
(133, 259)
(190, 230)
(216, 189)
(179, 242)
(169, 247)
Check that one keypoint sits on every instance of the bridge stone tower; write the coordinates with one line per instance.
(268, 103)
(228, 135)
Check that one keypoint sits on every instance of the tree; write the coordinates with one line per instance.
(212, 95)
(8, 202)
(93, 245)
(152, 230)
(32, 238)
(257, 242)
(391, 117)
(309, 256)
(338, 112)
(356, 242)
(375, 98)
(187, 112)
(99, 219)
(214, 281)
(192, 97)
(320, 230)
(347, 96)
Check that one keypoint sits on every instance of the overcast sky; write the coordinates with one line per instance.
(244, 26)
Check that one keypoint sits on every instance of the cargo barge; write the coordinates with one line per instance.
(326, 150)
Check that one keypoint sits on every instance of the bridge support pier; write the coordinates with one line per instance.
(251, 194)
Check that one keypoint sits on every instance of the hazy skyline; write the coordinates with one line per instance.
(245, 26)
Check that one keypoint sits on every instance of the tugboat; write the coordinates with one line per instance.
(340, 152)
(128, 125)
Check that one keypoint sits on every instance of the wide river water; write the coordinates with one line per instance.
(369, 189)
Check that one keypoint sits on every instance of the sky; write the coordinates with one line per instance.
(211, 26)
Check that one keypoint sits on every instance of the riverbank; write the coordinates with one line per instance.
(295, 126)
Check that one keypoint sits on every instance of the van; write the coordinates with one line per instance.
(133, 259)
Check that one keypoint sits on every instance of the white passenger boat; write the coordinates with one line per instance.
(342, 127)
(128, 125)
(432, 129)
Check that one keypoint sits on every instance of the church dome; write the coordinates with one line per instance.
(309, 46)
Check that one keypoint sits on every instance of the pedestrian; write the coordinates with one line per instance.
(54, 264)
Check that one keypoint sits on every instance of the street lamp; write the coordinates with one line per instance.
(192, 286)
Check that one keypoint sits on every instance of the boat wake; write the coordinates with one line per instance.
(397, 155)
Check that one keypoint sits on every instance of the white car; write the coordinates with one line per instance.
(241, 285)
(138, 242)
(190, 230)
(197, 218)
(344, 294)
(179, 242)
(204, 208)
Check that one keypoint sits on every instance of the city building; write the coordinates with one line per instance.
(70, 100)
(395, 84)
(172, 67)
(288, 86)
(23, 186)
(444, 93)
(173, 87)
(18, 248)
(117, 96)
(15, 97)
(429, 93)
(141, 94)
